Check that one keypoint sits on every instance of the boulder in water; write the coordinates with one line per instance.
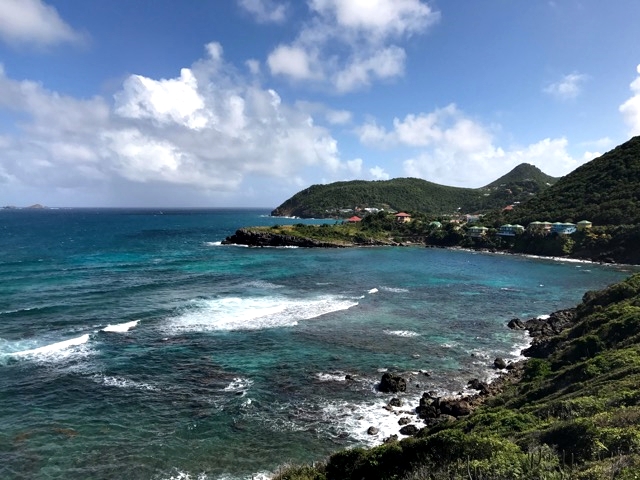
(392, 383)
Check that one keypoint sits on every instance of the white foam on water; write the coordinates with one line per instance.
(120, 327)
(264, 284)
(180, 475)
(253, 313)
(373, 290)
(331, 377)
(56, 351)
(213, 244)
(356, 418)
(238, 384)
(402, 333)
(543, 317)
(121, 382)
(394, 289)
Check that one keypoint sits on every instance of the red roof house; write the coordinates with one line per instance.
(403, 217)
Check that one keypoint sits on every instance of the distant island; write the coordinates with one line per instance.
(593, 213)
(35, 206)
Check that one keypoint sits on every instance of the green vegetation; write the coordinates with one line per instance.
(605, 191)
(414, 194)
(573, 415)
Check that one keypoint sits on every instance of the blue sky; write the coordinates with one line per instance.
(242, 103)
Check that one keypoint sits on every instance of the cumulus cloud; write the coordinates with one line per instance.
(33, 22)
(292, 61)
(378, 173)
(265, 11)
(568, 87)
(348, 45)
(450, 148)
(631, 108)
(207, 128)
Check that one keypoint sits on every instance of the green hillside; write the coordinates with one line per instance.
(574, 414)
(605, 191)
(415, 195)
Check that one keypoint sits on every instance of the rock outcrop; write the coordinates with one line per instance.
(253, 238)
(392, 383)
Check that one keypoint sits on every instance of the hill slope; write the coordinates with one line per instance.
(605, 191)
(415, 194)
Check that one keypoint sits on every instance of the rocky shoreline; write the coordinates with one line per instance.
(257, 238)
(433, 409)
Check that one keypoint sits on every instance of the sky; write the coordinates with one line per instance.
(242, 103)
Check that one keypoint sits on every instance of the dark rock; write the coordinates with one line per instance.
(395, 402)
(478, 385)
(516, 324)
(427, 411)
(409, 430)
(392, 383)
(389, 408)
(372, 431)
(500, 363)
(404, 421)
(454, 407)
(391, 439)
(348, 377)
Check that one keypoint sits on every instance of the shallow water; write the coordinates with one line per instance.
(134, 345)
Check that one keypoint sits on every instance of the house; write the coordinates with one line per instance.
(584, 225)
(472, 218)
(509, 230)
(477, 231)
(435, 225)
(563, 228)
(541, 227)
(403, 217)
(354, 219)
(508, 208)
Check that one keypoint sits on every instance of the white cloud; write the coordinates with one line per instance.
(380, 18)
(208, 128)
(631, 108)
(387, 63)
(453, 149)
(378, 173)
(163, 101)
(265, 11)
(348, 45)
(355, 166)
(294, 62)
(253, 66)
(33, 22)
(569, 87)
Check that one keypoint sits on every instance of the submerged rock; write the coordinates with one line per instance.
(372, 431)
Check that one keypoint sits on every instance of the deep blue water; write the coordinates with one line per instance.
(227, 361)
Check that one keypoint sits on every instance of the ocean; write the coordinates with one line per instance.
(134, 345)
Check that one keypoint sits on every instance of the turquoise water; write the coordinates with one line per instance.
(226, 361)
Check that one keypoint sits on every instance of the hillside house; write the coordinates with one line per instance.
(403, 217)
(354, 219)
(509, 230)
(477, 231)
(563, 228)
(539, 227)
(584, 225)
